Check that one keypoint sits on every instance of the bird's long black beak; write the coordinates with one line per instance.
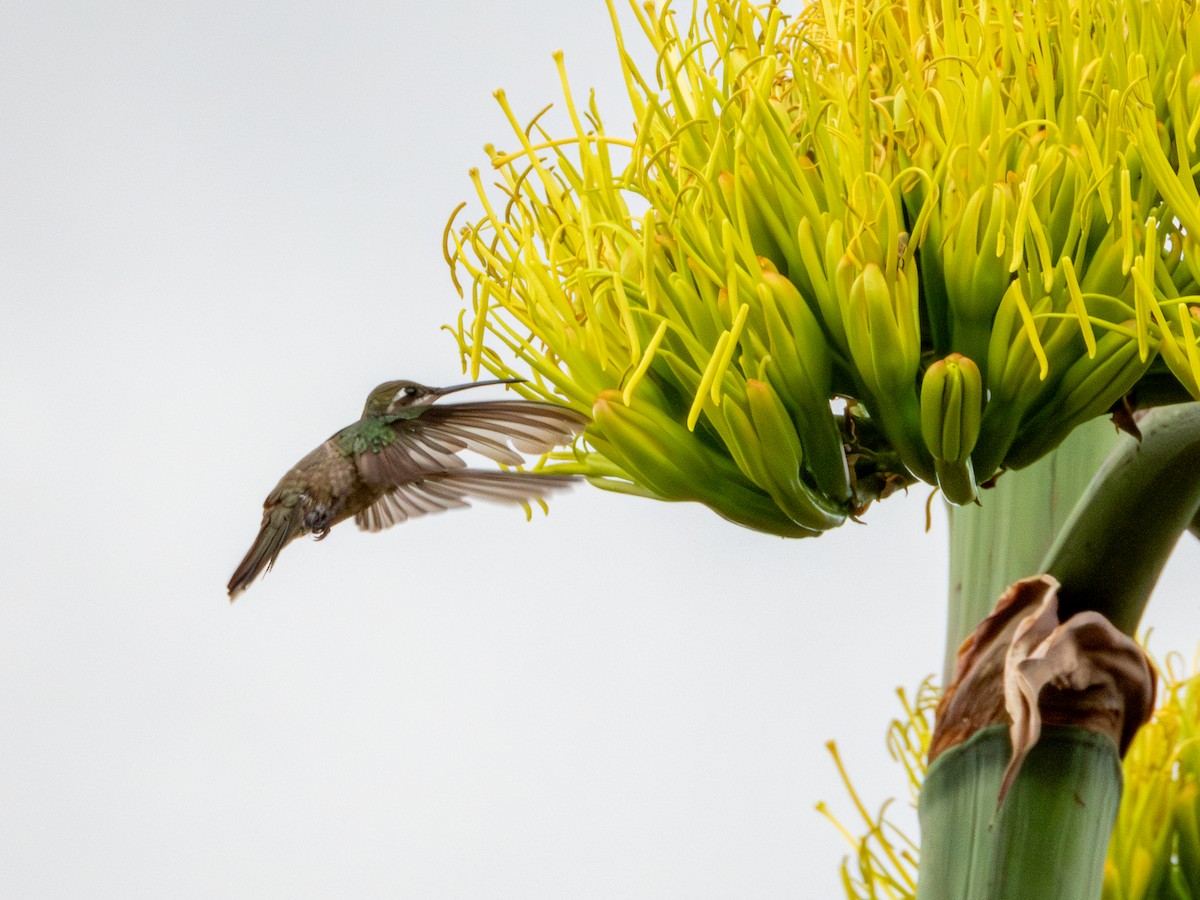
(441, 392)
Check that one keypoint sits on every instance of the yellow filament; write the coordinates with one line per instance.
(706, 380)
(727, 355)
(730, 269)
(635, 345)
(644, 365)
(503, 159)
(1093, 155)
(497, 226)
(1126, 224)
(1078, 307)
(1189, 342)
(1143, 300)
(1022, 220)
(1032, 333)
(478, 329)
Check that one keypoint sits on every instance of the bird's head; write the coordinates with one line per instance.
(409, 399)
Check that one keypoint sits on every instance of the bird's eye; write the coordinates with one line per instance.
(410, 391)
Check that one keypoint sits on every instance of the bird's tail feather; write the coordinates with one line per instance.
(278, 528)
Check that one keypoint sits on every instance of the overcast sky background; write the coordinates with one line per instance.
(220, 227)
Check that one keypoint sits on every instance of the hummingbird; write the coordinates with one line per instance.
(401, 460)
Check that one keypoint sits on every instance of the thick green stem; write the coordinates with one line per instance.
(1006, 535)
(1057, 821)
(1111, 551)
(1107, 553)
(1050, 837)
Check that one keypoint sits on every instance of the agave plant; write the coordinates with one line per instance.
(870, 243)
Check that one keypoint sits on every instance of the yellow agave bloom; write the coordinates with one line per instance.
(884, 864)
(1155, 848)
(866, 243)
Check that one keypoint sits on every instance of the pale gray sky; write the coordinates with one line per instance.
(220, 227)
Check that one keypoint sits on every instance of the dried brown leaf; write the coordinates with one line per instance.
(975, 697)
(1082, 672)
(1025, 668)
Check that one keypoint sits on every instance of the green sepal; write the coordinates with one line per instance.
(957, 481)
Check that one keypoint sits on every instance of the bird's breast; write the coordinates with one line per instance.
(324, 480)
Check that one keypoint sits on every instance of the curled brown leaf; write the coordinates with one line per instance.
(1024, 668)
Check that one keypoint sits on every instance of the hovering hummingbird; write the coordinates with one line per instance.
(400, 460)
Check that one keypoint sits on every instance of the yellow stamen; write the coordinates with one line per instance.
(635, 344)
(1019, 226)
(1031, 332)
(1093, 157)
(1126, 224)
(727, 354)
(706, 380)
(1143, 301)
(1078, 306)
(1189, 341)
(503, 159)
(644, 365)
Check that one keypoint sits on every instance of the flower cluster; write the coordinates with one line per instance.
(874, 242)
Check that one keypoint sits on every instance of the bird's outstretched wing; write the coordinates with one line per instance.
(501, 430)
(451, 490)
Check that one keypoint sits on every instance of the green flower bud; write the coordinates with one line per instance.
(951, 408)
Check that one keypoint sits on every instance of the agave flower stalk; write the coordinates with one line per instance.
(1143, 498)
(848, 249)
(1154, 850)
